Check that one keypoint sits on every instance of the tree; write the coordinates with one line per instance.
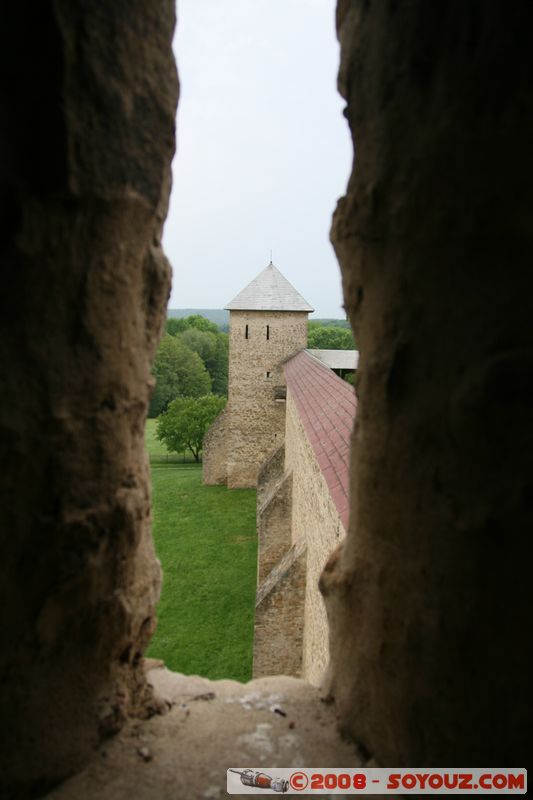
(329, 337)
(218, 369)
(213, 350)
(202, 342)
(176, 325)
(202, 336)
(179, 372)
(201, 323)
(179, 324)
(351, 378)
(186, 421)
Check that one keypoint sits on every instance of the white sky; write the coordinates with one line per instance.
(263, 150)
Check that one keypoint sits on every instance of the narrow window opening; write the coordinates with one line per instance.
(245, 372)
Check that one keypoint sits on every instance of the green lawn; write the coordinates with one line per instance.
(206, 541)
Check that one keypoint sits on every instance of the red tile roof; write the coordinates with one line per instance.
(326, 405)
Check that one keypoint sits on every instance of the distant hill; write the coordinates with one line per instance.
(336, 323)
(217, 315)
(221, 317)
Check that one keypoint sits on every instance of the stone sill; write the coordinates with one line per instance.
(212, 725)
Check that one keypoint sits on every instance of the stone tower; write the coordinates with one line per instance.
(268, 324)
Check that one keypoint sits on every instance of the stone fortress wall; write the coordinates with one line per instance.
(291, 630)
(302, 518)
(429, 600)
(316, 521)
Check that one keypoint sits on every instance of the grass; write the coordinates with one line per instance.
(206, 541)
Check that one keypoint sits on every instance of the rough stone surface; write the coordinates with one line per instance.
(429, 599)
(256, 421)
(270, 475)
(279, 617)
(212, 726)
(315, 520)
(274, 519)
(87, 139)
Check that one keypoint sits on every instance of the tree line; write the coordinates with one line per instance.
(330, 336)
(191, 361)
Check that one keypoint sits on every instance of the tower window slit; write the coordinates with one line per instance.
(268, 331)
(246, 332)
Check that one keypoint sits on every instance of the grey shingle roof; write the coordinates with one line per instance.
(269, 291)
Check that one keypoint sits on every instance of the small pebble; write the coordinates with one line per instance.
(144, 753)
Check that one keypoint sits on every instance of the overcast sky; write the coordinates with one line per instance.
(263, 150)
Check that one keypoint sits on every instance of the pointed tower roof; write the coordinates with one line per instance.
(269, 291)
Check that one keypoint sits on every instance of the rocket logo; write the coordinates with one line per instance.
(260, 780)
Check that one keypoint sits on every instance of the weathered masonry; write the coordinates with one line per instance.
(429, 596)
(268, 324)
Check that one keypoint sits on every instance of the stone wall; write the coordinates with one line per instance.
(274, 527)
(215, 451)
(316, 521)
(429, 598)
(279, 617)
(429, 601)
(185, 753)
(270, 475)
(88, 109)
(256, 421)
(295, 510)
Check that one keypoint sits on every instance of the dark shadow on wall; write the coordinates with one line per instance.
(428, 601)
